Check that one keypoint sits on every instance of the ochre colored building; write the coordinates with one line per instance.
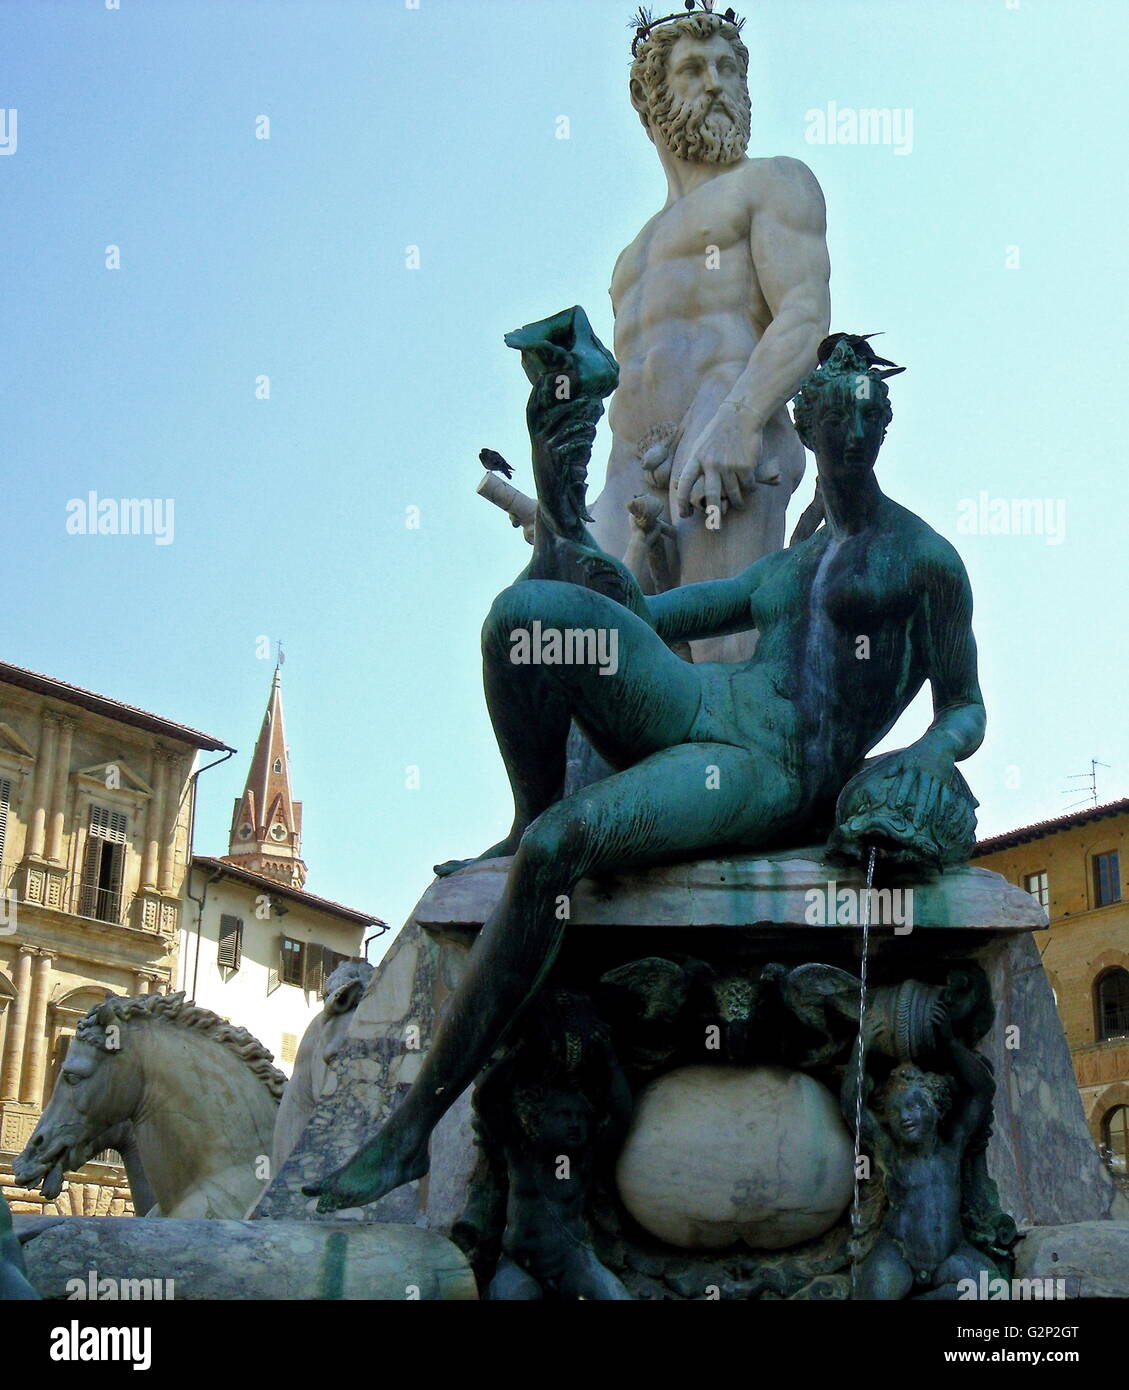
(1075, 866)
(96, 804)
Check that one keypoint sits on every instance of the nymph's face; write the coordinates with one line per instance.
(850, 424)
(913, 1117)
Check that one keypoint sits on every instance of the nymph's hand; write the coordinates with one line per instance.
(912, 805)
(721, 470)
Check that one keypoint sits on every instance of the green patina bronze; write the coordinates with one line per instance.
(709, 758)
(925, 1130)
(14, 1284)
(546, 1112)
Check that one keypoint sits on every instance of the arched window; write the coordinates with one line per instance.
(1115, 1137)
(1111, 1003)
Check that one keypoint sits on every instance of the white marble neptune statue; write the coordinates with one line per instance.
(720, 304)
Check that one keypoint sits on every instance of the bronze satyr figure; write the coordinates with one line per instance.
(919, 1134)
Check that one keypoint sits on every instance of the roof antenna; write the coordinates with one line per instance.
(1091, 797)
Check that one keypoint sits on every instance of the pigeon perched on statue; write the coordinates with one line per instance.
(859, 343)
(493, 462)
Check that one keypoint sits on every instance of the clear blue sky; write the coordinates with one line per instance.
(436, 127)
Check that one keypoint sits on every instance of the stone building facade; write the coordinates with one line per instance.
(96, 808)
(1075, 866)
(258, 951)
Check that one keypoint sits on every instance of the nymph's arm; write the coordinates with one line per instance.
(713, 608)
(949, 654)
(912, 804)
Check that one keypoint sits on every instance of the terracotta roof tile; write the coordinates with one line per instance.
(1038, 829)
(283, 890)
(110, 709)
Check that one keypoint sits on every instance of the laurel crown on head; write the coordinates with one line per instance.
(645, 24)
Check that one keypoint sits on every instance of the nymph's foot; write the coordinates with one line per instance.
(499, 851)
(378, 1168)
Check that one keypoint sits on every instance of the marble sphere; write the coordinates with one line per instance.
(718, 1154)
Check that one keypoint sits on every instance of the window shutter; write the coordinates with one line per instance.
(330, 961)
(112, 907)
(315, 972)
(5, 803)
(91, 862)
(230, 951)
(274, 972)
(103, 865)
(296, 958)
(108, 825)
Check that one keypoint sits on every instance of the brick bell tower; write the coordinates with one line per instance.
(266, 828)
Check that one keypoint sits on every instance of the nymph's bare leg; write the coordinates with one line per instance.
(532, 706)
(682, 799)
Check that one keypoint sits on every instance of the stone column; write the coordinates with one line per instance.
(168, 824)
(59, 790)
(153, 822)
(41, 789)
(142, 981)
(6, 1005)
(17, 1027)
(32, 1090)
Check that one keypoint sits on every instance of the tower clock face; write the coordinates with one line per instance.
(278, 832)
(245, 832)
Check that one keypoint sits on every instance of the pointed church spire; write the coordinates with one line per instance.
(266, 827)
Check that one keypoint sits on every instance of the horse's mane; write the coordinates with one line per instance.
(172, 1008)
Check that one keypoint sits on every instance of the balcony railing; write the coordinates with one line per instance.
(103, 903)
(1115, 1023)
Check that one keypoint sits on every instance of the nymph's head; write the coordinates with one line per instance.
(843, 409)
(689, 86)
(914, 1103)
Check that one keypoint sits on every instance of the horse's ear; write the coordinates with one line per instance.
(104, 1013)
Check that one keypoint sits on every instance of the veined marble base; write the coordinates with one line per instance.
(745, 908)
(770, 890)
(194, 1260)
